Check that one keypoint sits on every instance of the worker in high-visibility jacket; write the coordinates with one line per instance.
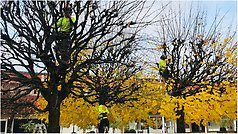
(163, 70)
(65, 25)
(104, 122)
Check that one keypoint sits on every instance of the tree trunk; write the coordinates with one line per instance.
(196, 128)
(180, 122)
(10, 125)
(54, 114)
(113, 130)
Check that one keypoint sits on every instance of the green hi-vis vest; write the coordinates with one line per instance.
(64, 24)
(162, 65)
(103, 111)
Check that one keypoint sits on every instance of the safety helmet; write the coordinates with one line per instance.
(67, 10)
(163, 57)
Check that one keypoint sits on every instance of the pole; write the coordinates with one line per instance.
(156, 123)
(171, 127)
(206, 129)
(175, 127)
(163, 125)
(73, 130)
(235, 125)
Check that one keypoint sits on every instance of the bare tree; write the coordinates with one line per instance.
(195, 51)
(110, 83)
(96, 38)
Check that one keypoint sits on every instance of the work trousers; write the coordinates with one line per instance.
(63, 44)
(165, 74)
(103, 123)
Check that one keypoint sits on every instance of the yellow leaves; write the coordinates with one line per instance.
(154, 68)
(123, 114)
(203, 107)
(184, 64)
(213, 45)
(76, 83)
(153, 99)
(228, 53)
(228, 101)
(79, 112)
(209, 87)
(130, 81)
(203, 82)
(196, 108)
(45, 85)
(41, 103)
(226, 40)
(67, 77)
(159, 47)
(81, 56)
(73, 111)
(154, 103)
(206, 42)
(169, 106)
(90, 81)
(170, 87)
(225, 82)
(228, 75)
(59, 87)
(171, 80)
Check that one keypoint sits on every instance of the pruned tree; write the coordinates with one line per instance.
(110, 83)
(78, 112)
(196, 53)
(98, 29)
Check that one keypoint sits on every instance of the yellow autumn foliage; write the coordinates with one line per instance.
(207, 105)
(78, 112)
(152, 98)
(73, 111)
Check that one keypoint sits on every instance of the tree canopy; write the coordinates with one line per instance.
(104, 33)
(200, 59)
(83, 114)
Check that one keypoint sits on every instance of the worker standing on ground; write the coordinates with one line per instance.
(104, 122)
